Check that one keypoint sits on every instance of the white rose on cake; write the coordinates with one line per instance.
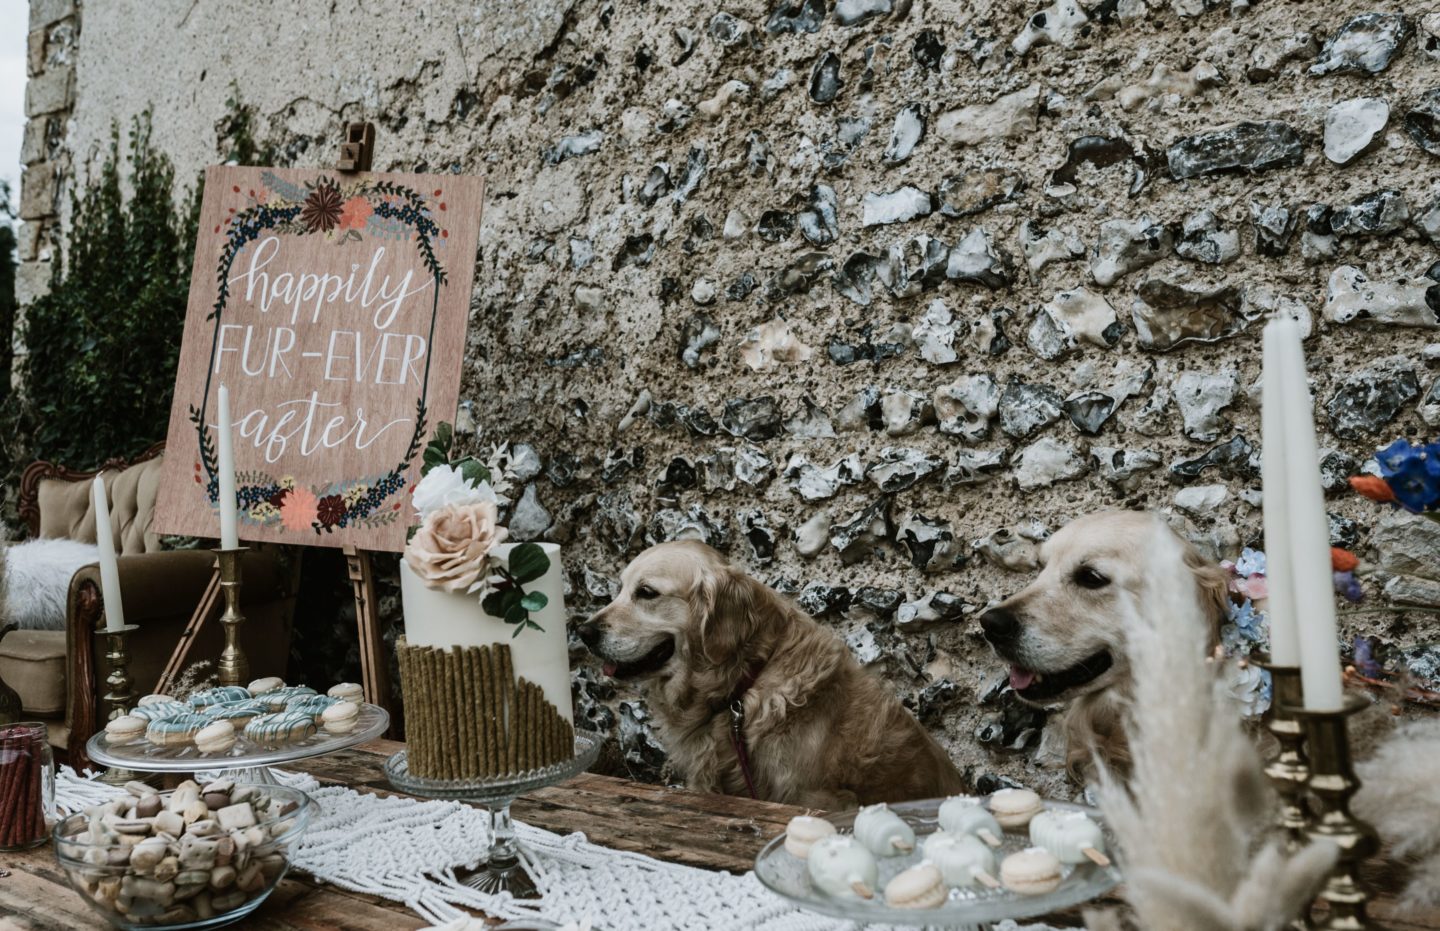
(446, 486)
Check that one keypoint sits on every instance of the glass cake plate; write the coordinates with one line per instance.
(247, 761)
(788, 877)
(504, 869)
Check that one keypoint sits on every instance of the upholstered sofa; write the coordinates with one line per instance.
(60, 674)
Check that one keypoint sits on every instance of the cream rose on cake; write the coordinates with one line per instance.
(451, 550)
(447, 486)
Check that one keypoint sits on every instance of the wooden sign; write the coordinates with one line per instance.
(333, 309)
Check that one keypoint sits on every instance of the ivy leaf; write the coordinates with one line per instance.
(472, 470)
(534, 601)
(528, 562)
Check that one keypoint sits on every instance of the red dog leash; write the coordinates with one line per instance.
(737, 726)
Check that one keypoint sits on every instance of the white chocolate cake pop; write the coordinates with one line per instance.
(963, 814)
(921, 886)
(1014, 808)
(962, 859)
(841, 867)
(883, 832)
(1070, 836)
(803, 831)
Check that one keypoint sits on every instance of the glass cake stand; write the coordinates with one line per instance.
(970, 909)
(247, 761)
(504, 869)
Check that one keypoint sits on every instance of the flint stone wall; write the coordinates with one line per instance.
(872, 295)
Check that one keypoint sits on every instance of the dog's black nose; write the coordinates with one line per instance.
(589, 634)
(1000, 626)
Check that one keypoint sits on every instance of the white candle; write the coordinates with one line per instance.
(109, 570)
(1279, 574)
(1309, 536)
(229, 519)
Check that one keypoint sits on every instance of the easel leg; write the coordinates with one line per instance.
(374, 669)
(176, 666)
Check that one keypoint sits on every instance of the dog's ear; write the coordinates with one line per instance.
(722, 612)
(1213, 585)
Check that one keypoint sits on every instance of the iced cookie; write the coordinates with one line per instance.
(176, 731)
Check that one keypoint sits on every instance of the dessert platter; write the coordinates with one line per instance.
(962, 862)
(237, 730)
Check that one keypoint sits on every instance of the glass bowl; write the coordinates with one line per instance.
(176, 888)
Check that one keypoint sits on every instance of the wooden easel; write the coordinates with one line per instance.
(357, 153)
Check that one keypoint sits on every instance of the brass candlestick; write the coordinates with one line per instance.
(1290, 770)
(120, 695)
(1332, 782)
(234, 668)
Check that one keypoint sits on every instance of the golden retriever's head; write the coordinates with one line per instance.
(679, 599)
(1063, 634)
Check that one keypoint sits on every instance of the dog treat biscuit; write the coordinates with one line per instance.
(1032, 871)
(963, 814)
(803, 831)
(313, 705)
(279, 728)
(347, 691)
(841, 867)
(1014, 808)
(173, 731)
(268, 684)
(883, 832)
(161, 709)
(340, 718)
(921, 886)
(125, 728)
(219, 695)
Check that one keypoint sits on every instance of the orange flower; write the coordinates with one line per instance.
(299, 509)
(1373, 487)
(1343, 560)
(354, 214)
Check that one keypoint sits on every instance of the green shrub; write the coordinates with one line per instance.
(103, 343)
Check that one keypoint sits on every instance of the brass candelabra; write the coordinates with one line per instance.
(1289, 772)
(1332, 782)
(119, 696)
(234, 667)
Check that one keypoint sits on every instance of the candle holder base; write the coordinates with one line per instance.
(119, 696)
(1290, 770)
(1333, 782)
(234, 666)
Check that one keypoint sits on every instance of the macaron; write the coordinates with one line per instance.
(921, 886)
(1014, 808)
(125, 729)
(1032, 871)
(267, 684)
(802, 832)
(152, 699)
(347, 691)
(340, 718)
(215, 737)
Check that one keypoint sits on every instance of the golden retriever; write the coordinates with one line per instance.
(1063, 634)
(820, 731)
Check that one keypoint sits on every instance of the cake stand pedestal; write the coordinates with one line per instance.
(247, 761)
(504, 869)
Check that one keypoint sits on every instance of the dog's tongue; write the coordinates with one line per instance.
(609, 669)
(1021, 678)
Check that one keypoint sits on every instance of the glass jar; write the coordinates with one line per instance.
(27, 785)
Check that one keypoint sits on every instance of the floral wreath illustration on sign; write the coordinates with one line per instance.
(339, 213)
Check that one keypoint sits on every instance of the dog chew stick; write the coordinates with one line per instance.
(442, 743)
(510, 722)
(455, 666)
(482, 707)
(414, 719)
(495, 715)
(448, 660)
(474, 703)
(1095, 856)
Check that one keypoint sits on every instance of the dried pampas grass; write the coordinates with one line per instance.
(1191, 822)
(1400, 795)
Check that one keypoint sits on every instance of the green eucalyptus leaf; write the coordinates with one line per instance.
(516, 614)
(535, 601)
(496, 603)
(528, 562)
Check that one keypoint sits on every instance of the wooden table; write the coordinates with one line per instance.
(708, 831)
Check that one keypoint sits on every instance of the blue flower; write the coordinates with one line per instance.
(1416, 481)
(1393, 458)
(1346, 584)
(1251, 562)
(1249, 622)
(1365, 659)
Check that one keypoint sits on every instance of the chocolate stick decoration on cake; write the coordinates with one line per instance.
(487, 709)
(451, 730)
(471, 697)
(455, 693)
(507, 682)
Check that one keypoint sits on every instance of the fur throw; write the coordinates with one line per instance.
(1400, 796)
(35, 580)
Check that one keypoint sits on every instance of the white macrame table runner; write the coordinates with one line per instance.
(408, 850)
